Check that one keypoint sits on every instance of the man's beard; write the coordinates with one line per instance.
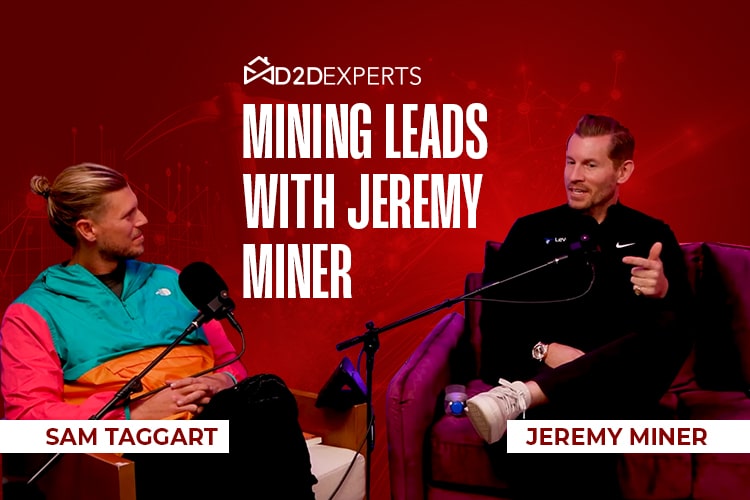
(117, 253)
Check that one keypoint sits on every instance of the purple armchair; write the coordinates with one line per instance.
(435, 456)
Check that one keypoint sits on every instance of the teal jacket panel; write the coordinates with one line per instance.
(90, 325)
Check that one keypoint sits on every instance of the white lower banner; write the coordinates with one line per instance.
(628, 436)
(114, 436)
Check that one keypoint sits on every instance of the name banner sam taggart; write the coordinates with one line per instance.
(628, 436)
(114, 436)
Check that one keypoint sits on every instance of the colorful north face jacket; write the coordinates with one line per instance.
(68, 342)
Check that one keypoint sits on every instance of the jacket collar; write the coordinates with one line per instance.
(76, 281)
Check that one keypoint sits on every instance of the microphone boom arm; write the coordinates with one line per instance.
(437, 307)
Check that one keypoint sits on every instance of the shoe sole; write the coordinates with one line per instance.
(477, 409)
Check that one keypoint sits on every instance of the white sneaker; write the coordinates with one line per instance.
(490, 411)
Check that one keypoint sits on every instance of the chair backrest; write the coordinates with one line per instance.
(466, 364)
(722, 349)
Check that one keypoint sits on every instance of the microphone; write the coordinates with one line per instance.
(205, 289)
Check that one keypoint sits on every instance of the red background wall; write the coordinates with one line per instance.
(88, 82)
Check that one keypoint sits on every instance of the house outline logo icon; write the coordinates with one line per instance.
(252, 72)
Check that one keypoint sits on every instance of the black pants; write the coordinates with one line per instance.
(621, 380)
(268, 457)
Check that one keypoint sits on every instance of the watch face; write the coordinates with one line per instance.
(538, 351)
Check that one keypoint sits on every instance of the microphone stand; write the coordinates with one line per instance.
(371, 344)
(132, 386)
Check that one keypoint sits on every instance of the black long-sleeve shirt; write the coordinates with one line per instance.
(608, 312)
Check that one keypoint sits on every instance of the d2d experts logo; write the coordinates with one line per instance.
(259, 68)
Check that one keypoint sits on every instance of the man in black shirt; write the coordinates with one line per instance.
(599, 333)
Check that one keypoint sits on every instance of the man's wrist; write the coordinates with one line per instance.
(231, 377)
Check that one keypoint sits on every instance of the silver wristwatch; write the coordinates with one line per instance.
(539, 351)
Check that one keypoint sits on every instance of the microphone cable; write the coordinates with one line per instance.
(553, 301)
(354, 458)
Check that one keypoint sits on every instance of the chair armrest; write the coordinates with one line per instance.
(411, 402)
(90, 476)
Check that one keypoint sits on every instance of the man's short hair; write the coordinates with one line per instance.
(622, 145)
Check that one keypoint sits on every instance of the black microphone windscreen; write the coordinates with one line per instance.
(201, 284)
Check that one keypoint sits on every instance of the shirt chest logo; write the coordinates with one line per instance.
(556, 239)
